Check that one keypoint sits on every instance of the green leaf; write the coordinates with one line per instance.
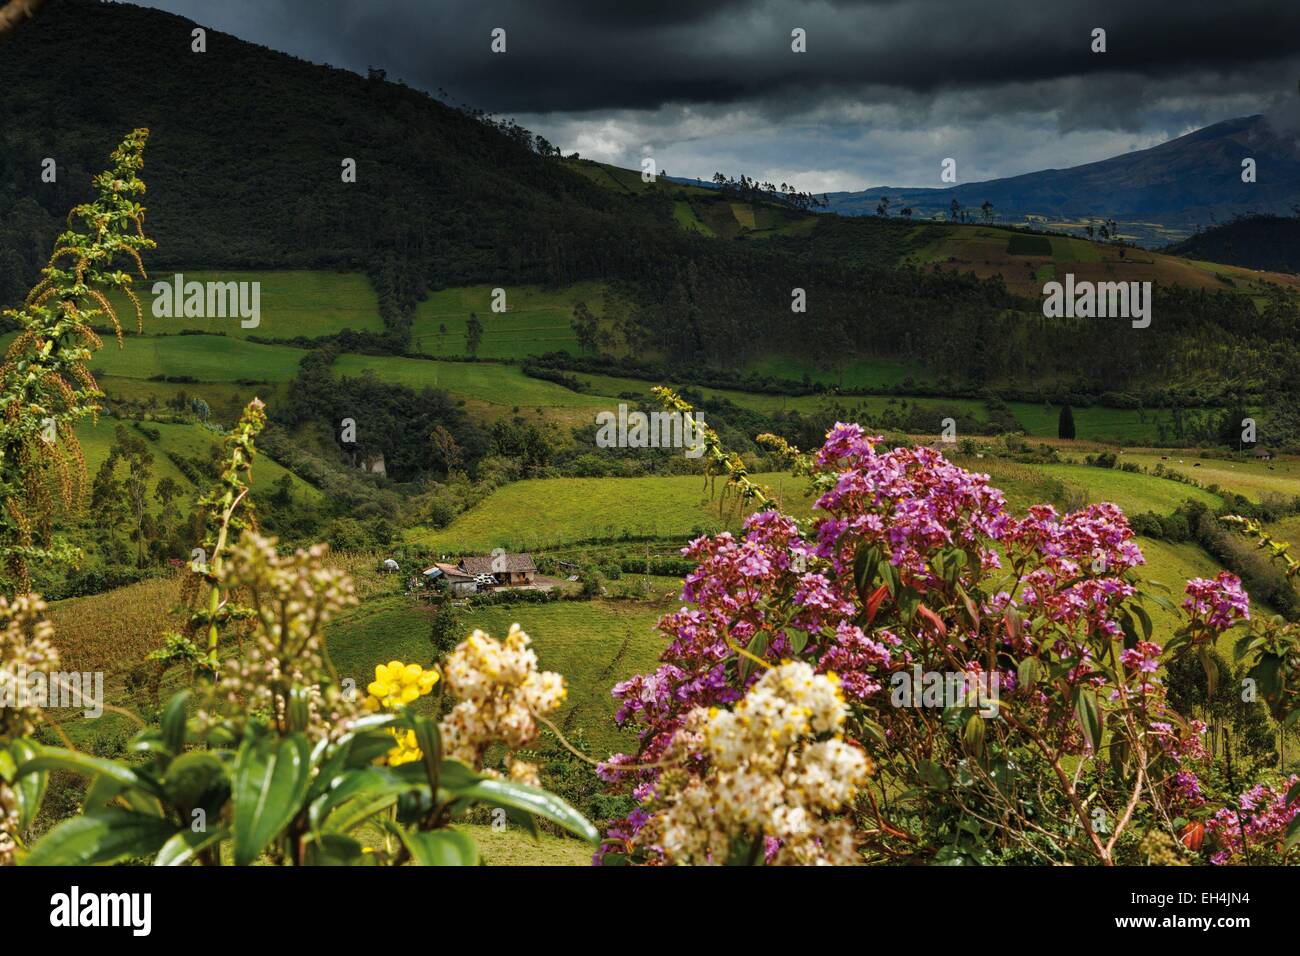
(29, 789)
(1293, 832)
(57, 758)
(186, 845)
(196, 779)
(933, 775)
(865, 564)
(890, 574)
(442, 848)
(378, 785)
(757, 647)
(334, 849)
(1211, 668)
(506, 793)
(271, 778)
(1088, 710)
(1029, 672)
(1144, 619)
(104, 836)
(173, 722)
(798, 640)
(973, 734)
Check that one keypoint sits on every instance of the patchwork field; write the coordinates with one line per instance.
(1095, 423)
(1022, 261)
(292, 304)
(226, 399)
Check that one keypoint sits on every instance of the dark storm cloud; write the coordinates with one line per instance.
(886, 90)
(639, 54)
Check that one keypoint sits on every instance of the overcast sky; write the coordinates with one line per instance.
(886, 90)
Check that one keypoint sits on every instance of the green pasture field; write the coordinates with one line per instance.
(537, 320)
(550, 512)
(769, 403)
(293, 303)
(1095, 423)
(514, 847)
(685, 215)
(227, 400)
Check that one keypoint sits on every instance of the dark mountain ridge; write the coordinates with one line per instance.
(1192, 180)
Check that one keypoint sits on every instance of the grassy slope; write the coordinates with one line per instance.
(1133, 492)
(547, 512)
(1094, 423)
(496, 384)
(226, 399)
(1245, 477)
(537, 320)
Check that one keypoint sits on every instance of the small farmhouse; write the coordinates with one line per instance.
(510, 570)
(1263, 454)
(475, 574)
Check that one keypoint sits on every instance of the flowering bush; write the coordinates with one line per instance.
(913, 566)
(1260, 823)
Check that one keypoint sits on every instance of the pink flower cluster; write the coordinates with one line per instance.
(1218, 604)
(1262, 814)
(775, 592)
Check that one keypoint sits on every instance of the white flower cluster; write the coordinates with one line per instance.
(501, 694)
(778, 767)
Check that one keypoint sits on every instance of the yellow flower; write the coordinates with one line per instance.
(397, 684)
(406, 749)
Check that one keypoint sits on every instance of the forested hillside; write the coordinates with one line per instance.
(1257, 242)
